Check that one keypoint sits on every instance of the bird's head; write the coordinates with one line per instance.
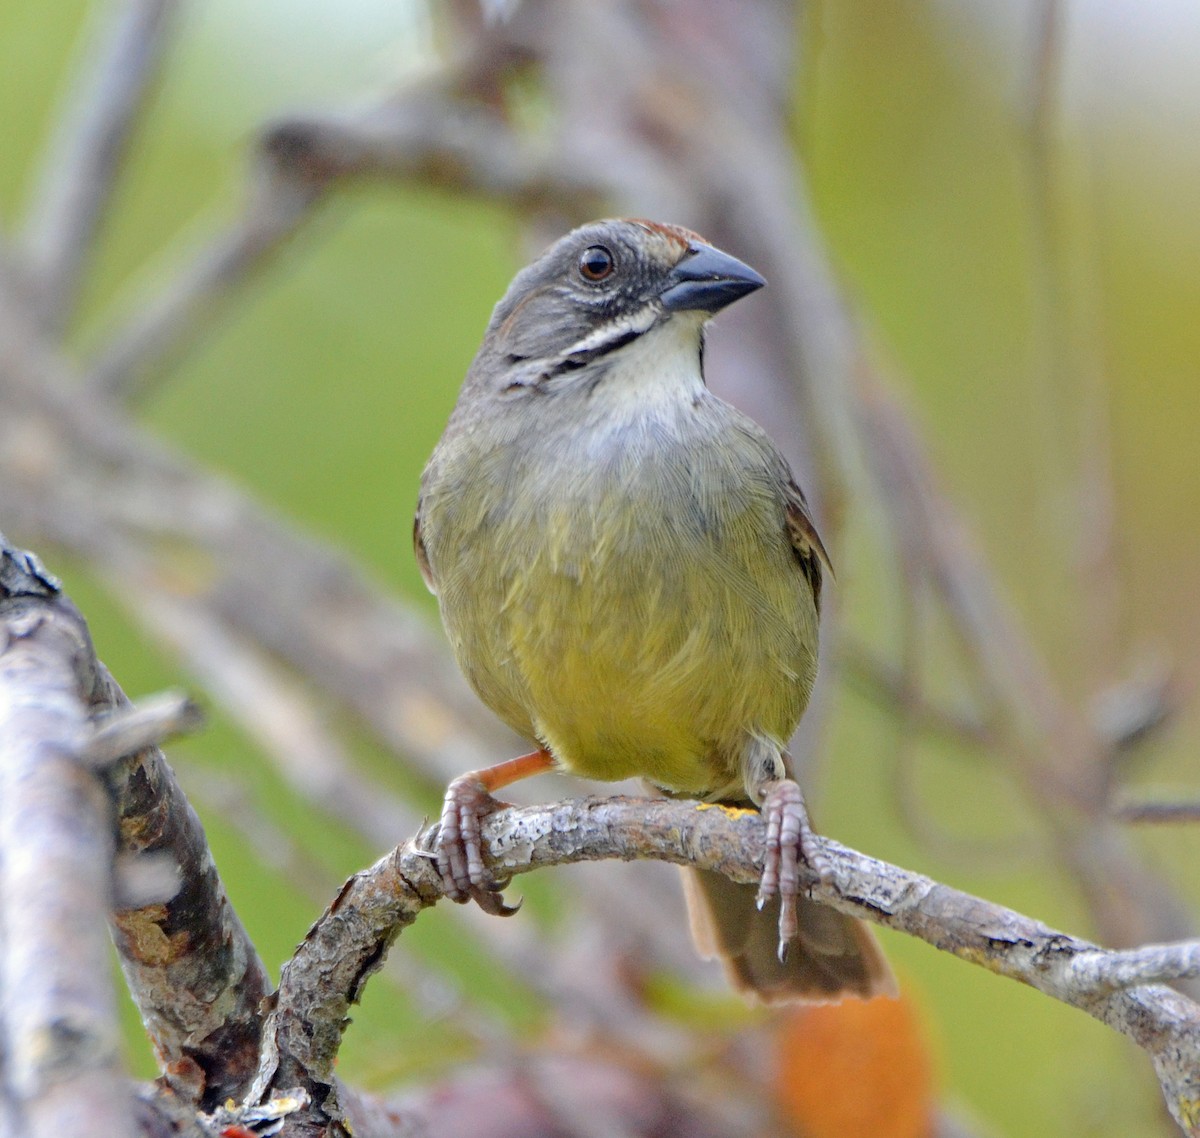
(599, 296)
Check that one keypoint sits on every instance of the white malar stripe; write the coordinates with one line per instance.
(637, 322)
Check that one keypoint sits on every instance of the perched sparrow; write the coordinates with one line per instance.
(629, 575)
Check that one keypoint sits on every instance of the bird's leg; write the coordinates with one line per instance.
(459, 847)
(790, 837)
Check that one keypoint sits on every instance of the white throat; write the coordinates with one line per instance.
(660, 367)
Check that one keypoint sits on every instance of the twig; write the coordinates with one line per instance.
(84, 159)
(425, 136)
(1071, 330)
(885, 683)
(147, 723)
(273, 709)
(1159, 813)
(346, 945)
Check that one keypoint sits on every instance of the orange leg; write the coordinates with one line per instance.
(459, 843)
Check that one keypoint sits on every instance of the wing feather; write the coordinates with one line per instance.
(806, 542)
(422, 555)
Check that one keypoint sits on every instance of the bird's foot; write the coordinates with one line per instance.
(790, 840)
(458, 847)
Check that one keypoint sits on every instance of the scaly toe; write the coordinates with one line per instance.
(459, 844)
(789, 841)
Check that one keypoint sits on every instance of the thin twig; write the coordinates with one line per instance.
(84, 159)
(425, 136)
(1158, 812)
(885, 683)
(148, 723)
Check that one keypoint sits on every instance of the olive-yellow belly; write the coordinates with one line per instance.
(635, 623)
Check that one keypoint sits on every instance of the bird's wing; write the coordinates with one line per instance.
(422, 555)
(806, 542)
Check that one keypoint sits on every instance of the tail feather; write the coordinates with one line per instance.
(833, 957)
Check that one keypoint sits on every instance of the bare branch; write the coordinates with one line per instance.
(190, 966)
(84, 159)
(1159, 812)
(347, 944)
(171, 316)
(426, 136)
(62, 1038)
(147, 723)
(886, 683)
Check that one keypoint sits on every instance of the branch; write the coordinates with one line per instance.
(62, 1045)
(85, 158)
(425, 137)
(329, 970)
(99, 486)
(1159, 812)
(133, 729)
(192, 970)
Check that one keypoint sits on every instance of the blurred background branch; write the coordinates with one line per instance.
(991, 402)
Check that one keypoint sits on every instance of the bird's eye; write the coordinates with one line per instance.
(596, 263)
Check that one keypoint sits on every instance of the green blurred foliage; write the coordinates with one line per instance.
(323, 387)
(926, 187)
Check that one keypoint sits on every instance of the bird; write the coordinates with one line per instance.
(630, 577)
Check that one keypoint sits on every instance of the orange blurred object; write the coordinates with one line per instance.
(858, 1069)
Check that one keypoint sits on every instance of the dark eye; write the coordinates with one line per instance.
(596, 263)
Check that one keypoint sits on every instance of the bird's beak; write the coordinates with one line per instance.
(705, 279)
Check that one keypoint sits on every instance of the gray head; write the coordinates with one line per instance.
(597, 292)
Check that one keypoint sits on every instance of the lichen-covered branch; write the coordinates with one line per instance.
(62, 1046)
(1122, 989)
(190, 966)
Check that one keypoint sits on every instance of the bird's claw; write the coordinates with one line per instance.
(458, 847)
(790, 839)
